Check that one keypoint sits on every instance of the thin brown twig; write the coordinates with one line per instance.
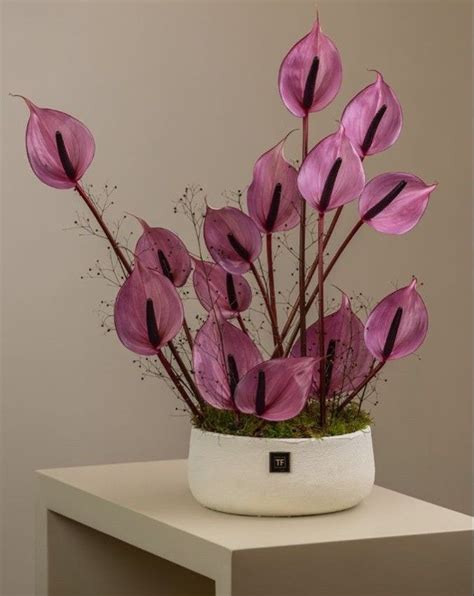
(114, 244)
(187, 333)
(362, 384)
(172, 375)
(185, 371)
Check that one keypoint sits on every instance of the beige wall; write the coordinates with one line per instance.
(186, 92)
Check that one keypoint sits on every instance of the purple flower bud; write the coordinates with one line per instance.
(373, 118)
(216, 288)
(164, 251)
(348, 360)
(59, 147)
(148, 312)
(332, 173)
(394, 203)
(273, 195)
(310, 74)
(232, 238)
(398, 325)
(276, 389)
(222, 355)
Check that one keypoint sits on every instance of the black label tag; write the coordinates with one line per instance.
(279, 461)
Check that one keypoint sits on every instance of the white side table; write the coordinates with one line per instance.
(134, 529)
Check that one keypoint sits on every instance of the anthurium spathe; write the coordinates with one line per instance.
(373, 118)
(215, 288)
(161, 249)
(398, 324)
(311, 73)
(347, 359)
(232, 238)
(273, 195)
(148, 312)
(332, 173)
(277, 389)
(394, 203)
(222, 354)
(59, 147)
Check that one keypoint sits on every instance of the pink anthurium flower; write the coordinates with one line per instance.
(59, 147)
(161, 249)
(232, 238)
(276, 389)
(216, 288)
(148, 312)
(373, 118)
(310, 74)
(273, 196)
(394, 203)
(348, 361)
(332, 173)
(398, 325)
(222, 354)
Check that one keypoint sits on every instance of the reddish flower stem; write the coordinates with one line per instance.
(113, 243)
(172, 375)
(271, 286)
(263, 291)
(302, 247)
(322, 355)
(185, 371)
(328, 270)
(242, 324)
(309, 276)
(363, 383)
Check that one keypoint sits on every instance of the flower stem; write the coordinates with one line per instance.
(328, 270)
(309, 276)
(363, 383)
(263, 291)
(113, 243)
(242, 324)
(302, 247)
(185, 371)
(172, 375)
(322, 359)
(271, 286)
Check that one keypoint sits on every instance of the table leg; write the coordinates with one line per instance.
(81, 561)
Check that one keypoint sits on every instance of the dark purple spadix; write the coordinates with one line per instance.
(69, 169)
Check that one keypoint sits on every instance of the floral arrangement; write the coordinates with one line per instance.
(315, 371)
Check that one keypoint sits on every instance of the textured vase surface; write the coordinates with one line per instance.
(280, 477)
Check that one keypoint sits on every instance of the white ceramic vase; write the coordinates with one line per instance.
(280, 477)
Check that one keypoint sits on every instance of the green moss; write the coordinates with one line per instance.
(305, 425)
